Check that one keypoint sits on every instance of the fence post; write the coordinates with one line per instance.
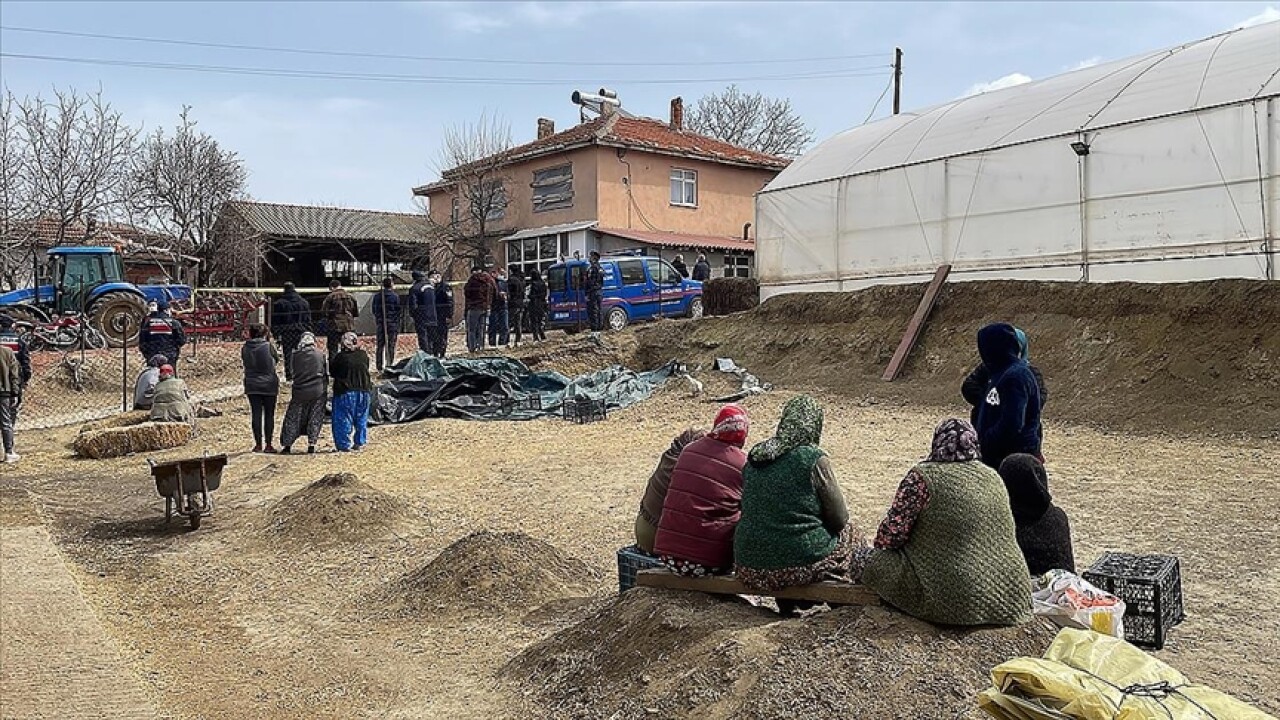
(124, 366)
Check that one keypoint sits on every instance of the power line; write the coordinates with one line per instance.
(425, 58)
(879, 99)
(424, 79)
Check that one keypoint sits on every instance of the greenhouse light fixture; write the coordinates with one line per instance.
(1080, 147)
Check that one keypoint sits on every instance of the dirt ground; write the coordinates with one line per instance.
(401, 594)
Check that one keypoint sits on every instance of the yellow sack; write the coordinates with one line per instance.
(1089, 676)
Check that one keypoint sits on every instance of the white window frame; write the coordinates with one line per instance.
(736, 265)
(686, 179)
(542, 262)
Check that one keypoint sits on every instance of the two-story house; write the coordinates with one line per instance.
(619, 182)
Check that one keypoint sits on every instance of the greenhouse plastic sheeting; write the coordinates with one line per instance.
(496, 388)
(1085, 675)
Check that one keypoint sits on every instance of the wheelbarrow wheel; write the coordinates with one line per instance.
(195, 519)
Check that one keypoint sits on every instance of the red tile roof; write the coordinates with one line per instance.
(681, 240)
(630, 132)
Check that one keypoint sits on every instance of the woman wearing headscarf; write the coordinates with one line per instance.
(352, 392)
(655, 490)
(172, 399)
(1044, 535)
(261, 385)
(310, 391)
(794, 528)
(704, 502)
(946, 551)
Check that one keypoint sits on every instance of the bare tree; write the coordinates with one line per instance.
(751, 120)
(473, 162)
(15, 197)
(179, 182)
(78, 157)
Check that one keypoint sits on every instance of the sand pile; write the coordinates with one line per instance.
(1123, 355)
(656, 653)
(490, 573)
(120, 441)
(340, 508)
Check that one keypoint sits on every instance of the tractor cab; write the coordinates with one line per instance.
(76, 271)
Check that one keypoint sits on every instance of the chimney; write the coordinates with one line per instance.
(677, 114)
(546, 128)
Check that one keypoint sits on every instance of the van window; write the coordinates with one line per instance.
(555, 279)
(662, 273)
(632, 272)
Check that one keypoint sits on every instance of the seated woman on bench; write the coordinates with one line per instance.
(1044, 535)
(795, 528)
(704, 500)
(946, 552)
(655, 491)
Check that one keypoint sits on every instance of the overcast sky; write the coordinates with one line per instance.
(364, 143)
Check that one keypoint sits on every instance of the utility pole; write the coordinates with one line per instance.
(897, 80)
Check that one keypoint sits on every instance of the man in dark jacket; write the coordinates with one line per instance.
(537, 305)
(386, 321)
(702, 269)
(680, 267)
(340, 311)
(290, 317)
(10, 338)
(478, 294)
(975, 385)
(444, 315)
(593, 286)
(1044, 535)
(161, 334)
(516, 305)
(1009, 415)
(422, 309)
(499, 330)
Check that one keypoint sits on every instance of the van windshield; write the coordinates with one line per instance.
(555, 279)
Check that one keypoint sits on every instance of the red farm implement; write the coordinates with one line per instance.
(220, 315)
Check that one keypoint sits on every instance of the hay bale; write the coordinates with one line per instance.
(722, 296)
(128, 419)
(120, 441)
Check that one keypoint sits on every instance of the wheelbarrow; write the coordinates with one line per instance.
(185, 485)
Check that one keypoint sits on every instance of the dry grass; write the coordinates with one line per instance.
(113, 442)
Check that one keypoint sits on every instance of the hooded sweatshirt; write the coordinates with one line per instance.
(1044, 535)
(259, 357)
(1009, 414)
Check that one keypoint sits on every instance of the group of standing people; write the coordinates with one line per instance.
(967, 527)
(497, 305)
(701, 268)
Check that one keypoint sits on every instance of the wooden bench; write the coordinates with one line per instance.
(827, 591)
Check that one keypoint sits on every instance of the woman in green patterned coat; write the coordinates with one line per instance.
(795, 527)
(947, 551)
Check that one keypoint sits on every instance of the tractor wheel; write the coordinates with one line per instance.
(118, 316)
(24, 314)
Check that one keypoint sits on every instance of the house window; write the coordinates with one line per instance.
(492, 201)
(684, 187)
(536, 252)
(553, 188)
(737, 265)
(455, 211)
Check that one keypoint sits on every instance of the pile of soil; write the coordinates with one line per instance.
(490, 574)
(340, 508)
(575, 355)
(655, 653)
(1179, 357)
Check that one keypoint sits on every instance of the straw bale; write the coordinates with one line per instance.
(117, 442)
(134, 417)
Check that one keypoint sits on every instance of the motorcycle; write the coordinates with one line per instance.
(64, 333)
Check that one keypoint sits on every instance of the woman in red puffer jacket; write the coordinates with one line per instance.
(703, 504)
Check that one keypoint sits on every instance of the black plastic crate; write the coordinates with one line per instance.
(582, 409)
(1151, 587)
(529, 402)
(632, 559)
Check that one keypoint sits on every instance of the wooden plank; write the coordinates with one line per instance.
(832, 593)
(916, 326)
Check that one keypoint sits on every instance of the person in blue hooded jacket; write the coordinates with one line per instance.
(974, 386)
(1009, 413)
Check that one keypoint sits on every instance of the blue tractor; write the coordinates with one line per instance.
(89, 280)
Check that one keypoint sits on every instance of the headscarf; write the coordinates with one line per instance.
(801, 425)
(157, 361)
(954, 441)
(307, 340)
(350, 341)
(1028, 486)
(166, 371)
(731, 425)
(1024, 347)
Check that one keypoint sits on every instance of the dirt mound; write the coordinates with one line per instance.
(575, 355)
(340, 508)
(655, 653)
(1182, 357)
(490, 573)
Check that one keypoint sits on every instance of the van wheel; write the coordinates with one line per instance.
(617, 319)
(695, 308)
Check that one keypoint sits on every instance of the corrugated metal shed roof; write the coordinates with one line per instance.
(1224, 69)
(328, 223)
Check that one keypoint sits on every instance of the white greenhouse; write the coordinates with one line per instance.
(1158, 168)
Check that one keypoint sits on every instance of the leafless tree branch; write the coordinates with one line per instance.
(751, 120)
(473, 158)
